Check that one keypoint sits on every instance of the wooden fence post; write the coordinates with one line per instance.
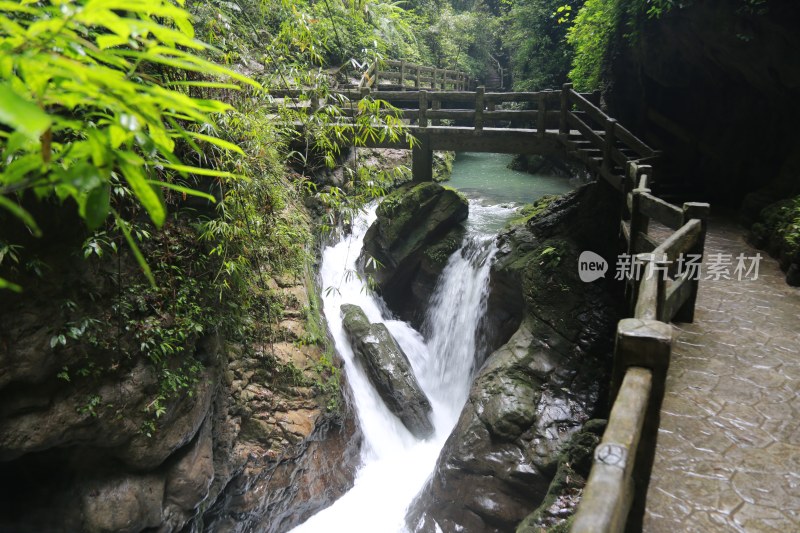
(564, 126)
(639, 224)
(435, 106)
(541, 116)
(700, 211)
(423, 109)
(402, 75)
(479, 99)
(608, 144)
(416, 77)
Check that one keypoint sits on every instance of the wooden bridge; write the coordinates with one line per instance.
(565, 123)
(571, 124)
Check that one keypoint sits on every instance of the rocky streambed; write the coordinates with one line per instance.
(515, 424)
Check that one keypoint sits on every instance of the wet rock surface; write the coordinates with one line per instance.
(389, 371)
(542, 385)
(418, 227)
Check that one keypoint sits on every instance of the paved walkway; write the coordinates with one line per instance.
(728, 452)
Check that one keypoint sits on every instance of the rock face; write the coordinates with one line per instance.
(389, 371)
(695, 73)
(252, 448)
(418, 227)
(543, 384)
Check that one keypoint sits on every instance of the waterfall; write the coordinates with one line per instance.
(394, 464)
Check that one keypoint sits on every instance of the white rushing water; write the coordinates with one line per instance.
(395, 465)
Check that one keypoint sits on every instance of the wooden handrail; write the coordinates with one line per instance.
(421, 76)
(609, 491)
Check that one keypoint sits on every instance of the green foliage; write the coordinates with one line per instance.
(591, 36)
(779, 228)
(535, 37)
(93, 94)
(458, 36)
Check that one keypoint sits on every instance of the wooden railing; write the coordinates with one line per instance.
(603, 143)
(658, 295)
(478, 109)
(403, 75)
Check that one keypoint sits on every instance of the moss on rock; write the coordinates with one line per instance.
(574, 462)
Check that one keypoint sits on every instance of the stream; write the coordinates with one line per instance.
(394, 464)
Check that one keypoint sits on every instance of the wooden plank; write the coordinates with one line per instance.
(585, 130)
(390, 75)
(456, 97)
(466, 139)
(452, 114)
(664, 212)
(552, 96)
(681, 241)
(511, 114)
(677, 294)
(608, 493)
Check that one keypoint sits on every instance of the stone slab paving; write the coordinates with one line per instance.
(728, 451)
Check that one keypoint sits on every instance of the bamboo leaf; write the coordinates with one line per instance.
(5, 284)
(185, 169)
(216, 141)
(21, 114)
(182, 189)
(137, 253)
(21, 214)
(151, 201)
(97, 206)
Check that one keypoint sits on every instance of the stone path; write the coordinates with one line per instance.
(728, 451)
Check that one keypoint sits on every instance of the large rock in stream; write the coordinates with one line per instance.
(542, 385)
(417, 229)
(388, 370)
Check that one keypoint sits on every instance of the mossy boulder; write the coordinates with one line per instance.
(418, 227)
(552, 335)
(388, 370)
